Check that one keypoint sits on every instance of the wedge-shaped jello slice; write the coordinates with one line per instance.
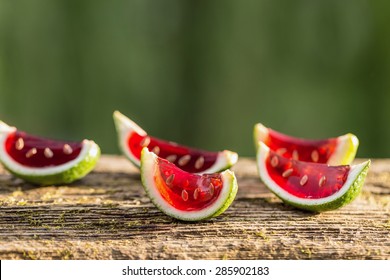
(312, 186)
(186, 196)
(44, 161)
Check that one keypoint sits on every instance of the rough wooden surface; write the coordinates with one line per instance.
(107, 216)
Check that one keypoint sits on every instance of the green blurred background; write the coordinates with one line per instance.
(201, 73)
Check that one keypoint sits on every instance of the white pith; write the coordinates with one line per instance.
(345, 144)
(88, 147)
(125, 127)
(260, 133)
(262, 155)
(148, 170)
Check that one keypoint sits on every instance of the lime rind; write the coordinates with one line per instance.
(229, 177)
(345, 195)
(149, 169)
(125, 127)
(64, 173)
(347, 146)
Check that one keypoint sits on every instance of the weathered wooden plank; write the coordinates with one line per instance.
(107, 216)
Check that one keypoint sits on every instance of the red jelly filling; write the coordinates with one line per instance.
(34, 151)
(318, 151)
(186, 191)
(305, 179)
(189, 159)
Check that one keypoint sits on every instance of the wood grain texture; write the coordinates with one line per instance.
(107, 216)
